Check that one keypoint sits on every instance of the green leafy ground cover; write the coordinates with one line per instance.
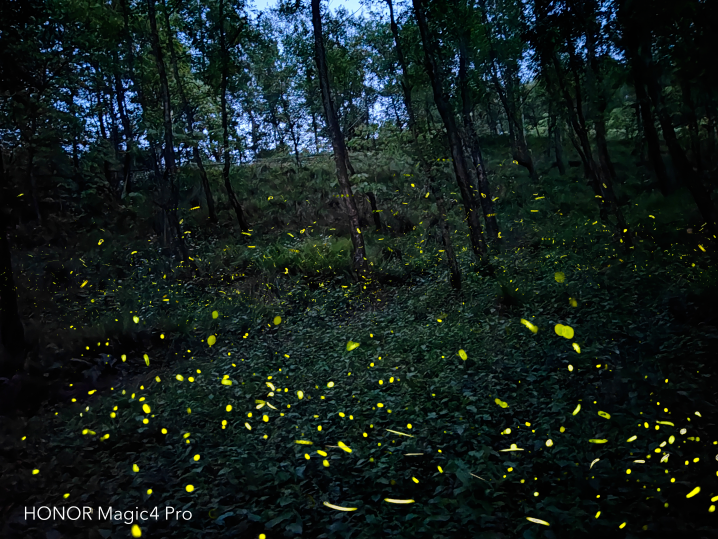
(440, 389)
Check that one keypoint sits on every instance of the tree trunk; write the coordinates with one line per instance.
(292, 130)
(189, 116)
(12, 332)
(315, 131)
(637, 43)
(651, 134)
(463, 177)
(31, 180)
(558, 148)
(491, 119)
(255, 133)
(239, 212)
(683, 166)
(340, 150)
(600, 181)
(170, 205)
(507, 96)
(455, 271)
(689, 112)
(127, 133)
(598, 96)
(127, 187)
(375, 212)
(205, 183)
(492, 226)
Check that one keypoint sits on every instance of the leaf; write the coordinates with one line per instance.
(277, 520)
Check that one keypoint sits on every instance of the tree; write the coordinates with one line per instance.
(406, 87)
(12, 332)
(456, 144)
(503, 67)
(170, 203)
(224, 53)
(341, 155)
(188, 112)
(637, 40)
(472, 139)
(556, 38)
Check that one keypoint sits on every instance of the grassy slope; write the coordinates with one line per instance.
(637, 316)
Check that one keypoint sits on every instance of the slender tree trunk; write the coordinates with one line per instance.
(170, 206)
(32, 181)
(106, 165)
(130, 54)
(550, 126)
(375, 212)
(399, 123)
(12, 332)
(601, 182)
(316, 132)
(598, 96)
(558, 147)
(239, 212)
(689, 111)
(492, 226)
(75, 141)
(683, 166)
(507, 96)
(278, 134)
(454, 270)
(292, 130)
(463, 177)
(491, 119)
(114, 128)
(255, 133)
(205, 183)
(340, 151)
(651, 134)
(406, 86)
(189, 116)
(637, 42)
(101, 114)
(127, 133)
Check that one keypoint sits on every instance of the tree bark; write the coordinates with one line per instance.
(598, 95)
(650, 132)
(638, 44)
(292, 130)
(170, 205)
(374, 212)
(340, 151)
(454, 270)
(558, 147)
(127, 133)
(492, 226)
(507, 96)
(239, 212)
(12, 332)
(461, 171)
(600, 181)
(683, 166)
(127, 187)
(689, 112)
(189, 116)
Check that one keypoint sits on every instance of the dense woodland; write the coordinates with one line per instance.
(420, 269)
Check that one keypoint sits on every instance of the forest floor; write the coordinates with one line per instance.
(572, 394)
